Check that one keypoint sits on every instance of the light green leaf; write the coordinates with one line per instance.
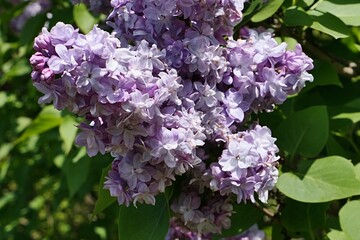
(323, 22)
(337, 235)
(67, 132)
(304, 132)
(354, 117)
(328, 23)
(357, 170)
(146, 222)
(350, 219)
(347, 10)
(267, 11)
(83, 18)
(327, 179)
(104, 199)
(47, 119)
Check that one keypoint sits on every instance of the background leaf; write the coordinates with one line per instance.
(67, 130)
(332, 177)
(337, 235)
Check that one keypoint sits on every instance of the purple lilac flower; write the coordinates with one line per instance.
(247, 165)
(165, 87)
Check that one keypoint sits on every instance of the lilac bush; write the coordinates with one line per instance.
(159, 92)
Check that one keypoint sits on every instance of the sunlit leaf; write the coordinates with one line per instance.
(67, 132)
(267, 11)
(326, 179)
(350, 219)
(337, 235)
(83, 18)
(347, 10)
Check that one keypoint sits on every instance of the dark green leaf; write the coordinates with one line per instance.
(32, 28)
(104, 199)
(267, 11)
(327, 179)
(146, 222)
(299, 217)
(244, 216)
(325, 74)
(304, 132)
(350, 219)
(354, 117)
(296, 16)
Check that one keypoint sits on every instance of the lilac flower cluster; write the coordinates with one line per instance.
(162, 90)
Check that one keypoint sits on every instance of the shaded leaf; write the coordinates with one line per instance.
(244, 216)
(325, 74)
(146, 222)
(350, 219)
(304, 132)
(327, 179)
(297, 216)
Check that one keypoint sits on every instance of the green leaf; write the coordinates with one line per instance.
(244, 216)
(47, 119)
(76, 172)
(32, 28)
(104, 199)
(267, 11)
(296, 16)
(323, 22)
(304, 132)
(67, 132)
(327, 179)
(350, 219)
(347, 10)
(337, 235)
(325, 74)
(357, 171)
(146, 222)
(298, 217)
(83, 18)
(354, 117)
